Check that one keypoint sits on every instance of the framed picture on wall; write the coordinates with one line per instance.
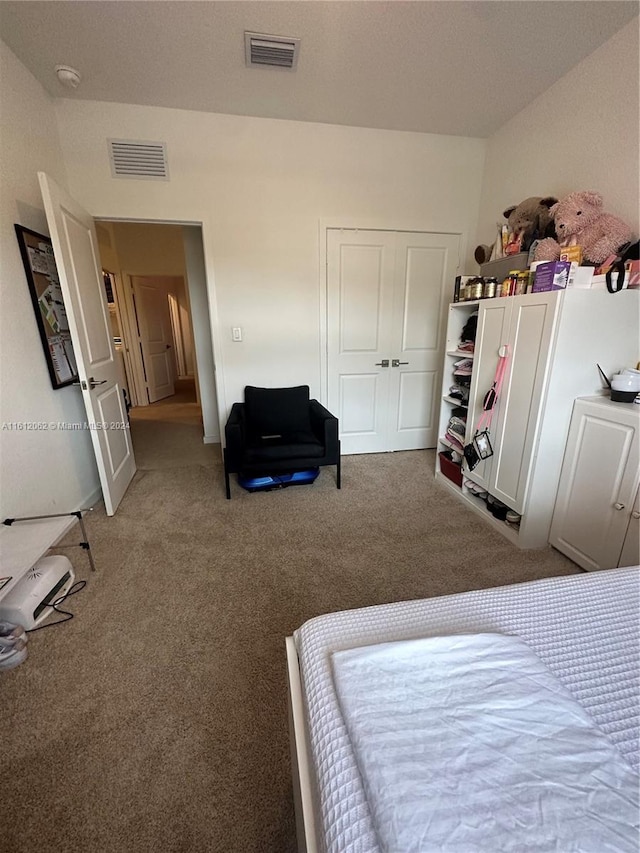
(48, 304)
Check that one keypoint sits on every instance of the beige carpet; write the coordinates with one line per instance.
(156, 720)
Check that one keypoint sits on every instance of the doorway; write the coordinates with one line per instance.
(387, 295)
(155, 271)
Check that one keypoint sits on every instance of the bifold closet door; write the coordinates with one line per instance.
(425, 270)
(360, 279)
(386, 298)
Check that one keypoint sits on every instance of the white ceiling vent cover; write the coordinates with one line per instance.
(133, 158)
(277, 51)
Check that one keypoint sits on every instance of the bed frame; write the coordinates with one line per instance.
(304, 799)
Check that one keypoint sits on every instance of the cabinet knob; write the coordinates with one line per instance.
(635, 514)
(618, 506)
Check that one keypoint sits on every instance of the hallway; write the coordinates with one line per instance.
(168, 434)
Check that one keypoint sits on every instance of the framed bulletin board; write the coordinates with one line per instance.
(48, 304)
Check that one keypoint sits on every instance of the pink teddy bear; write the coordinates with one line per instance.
(579, 221)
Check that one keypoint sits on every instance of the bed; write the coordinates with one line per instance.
(581, 629)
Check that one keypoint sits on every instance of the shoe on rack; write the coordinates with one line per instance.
(12, 656)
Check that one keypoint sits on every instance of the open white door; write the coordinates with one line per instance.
(76, 251)
(154, 325)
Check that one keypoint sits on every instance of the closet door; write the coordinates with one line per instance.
(531, 330)
(425, 267)
(387, 293)
(493, 331)
(360, 284)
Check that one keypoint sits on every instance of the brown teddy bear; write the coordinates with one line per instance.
(531, 220)
(580, 221)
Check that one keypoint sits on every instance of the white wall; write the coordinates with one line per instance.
(260, 188)
(41, 470)
(581, 134)
(197, 286)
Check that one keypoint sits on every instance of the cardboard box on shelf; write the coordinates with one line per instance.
(573, 254)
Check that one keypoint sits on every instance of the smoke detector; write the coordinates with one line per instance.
(68, 76)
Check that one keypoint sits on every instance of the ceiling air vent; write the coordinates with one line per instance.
(278, 51)
(132, 158)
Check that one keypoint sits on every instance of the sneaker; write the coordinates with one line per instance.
(10, 631)
(13, 656)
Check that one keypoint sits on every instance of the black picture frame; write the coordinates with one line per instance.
(48, 304)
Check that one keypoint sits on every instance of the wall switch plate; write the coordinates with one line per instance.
(236, 333)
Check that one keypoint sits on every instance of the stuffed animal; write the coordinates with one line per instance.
(531, 220)
(580, 221)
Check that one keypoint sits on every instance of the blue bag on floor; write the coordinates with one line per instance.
(278, 481)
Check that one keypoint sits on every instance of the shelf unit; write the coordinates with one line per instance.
(459, 313)
(551, 362)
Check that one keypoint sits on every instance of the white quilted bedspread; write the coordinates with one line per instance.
(583, 627)
(469, 743)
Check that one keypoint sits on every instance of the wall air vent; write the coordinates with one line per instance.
(133, 158)
(277, 51)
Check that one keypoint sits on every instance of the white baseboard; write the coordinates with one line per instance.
(94, 498)
(211, 439)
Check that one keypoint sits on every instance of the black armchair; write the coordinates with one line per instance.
(278, 431)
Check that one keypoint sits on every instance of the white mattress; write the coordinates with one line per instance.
(584, 628)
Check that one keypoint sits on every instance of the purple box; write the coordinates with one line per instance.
(552, 275)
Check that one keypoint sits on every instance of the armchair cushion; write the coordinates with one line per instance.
(277, 411)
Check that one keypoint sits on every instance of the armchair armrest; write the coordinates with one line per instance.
(325, 427)
(234, 435)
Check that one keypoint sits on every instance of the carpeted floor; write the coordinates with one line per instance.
(156, 720)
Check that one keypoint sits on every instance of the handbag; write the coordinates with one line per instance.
(480, 446)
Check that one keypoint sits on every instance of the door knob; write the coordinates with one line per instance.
(383, 363)
(396, 362)
(618, 506)
(635, 514)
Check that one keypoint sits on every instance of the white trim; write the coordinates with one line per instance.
(176, 328)
(211, 439)
(301, 769)
(214, 321)
(94, 498)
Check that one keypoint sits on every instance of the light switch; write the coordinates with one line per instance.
(236, 333)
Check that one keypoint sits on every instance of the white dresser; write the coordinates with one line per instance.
(596, 521)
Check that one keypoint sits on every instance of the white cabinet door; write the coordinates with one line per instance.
(387, 293)
(531, 329)
(630, 555)
(598, 485)
(492, 332)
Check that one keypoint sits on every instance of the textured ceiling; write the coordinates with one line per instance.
(436, 66)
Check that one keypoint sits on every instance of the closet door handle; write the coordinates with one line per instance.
(383, 363)
(395, 362)
(635, 514)
(618, 506)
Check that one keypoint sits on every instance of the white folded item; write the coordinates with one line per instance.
(469, 743)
